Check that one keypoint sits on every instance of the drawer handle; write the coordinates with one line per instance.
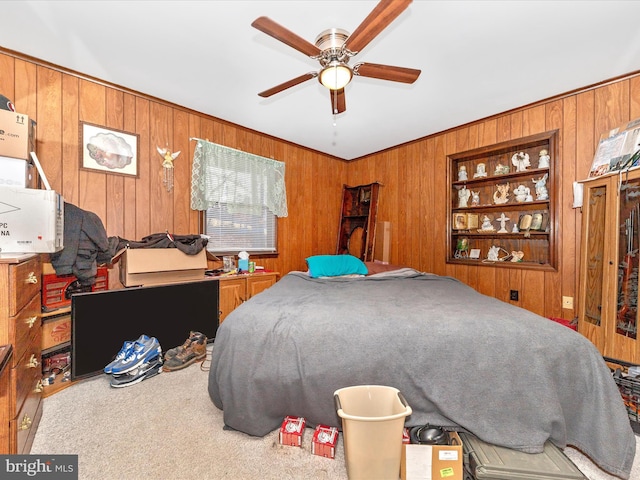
(31, 320)
(39, 388)
(31, 278)
(33, 361)
(26, 422)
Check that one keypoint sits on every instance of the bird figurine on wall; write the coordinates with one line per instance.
(167, 166)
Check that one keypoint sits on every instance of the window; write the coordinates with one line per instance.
(230, 233)
(241, 195)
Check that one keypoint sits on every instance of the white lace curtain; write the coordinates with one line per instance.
(243, 181)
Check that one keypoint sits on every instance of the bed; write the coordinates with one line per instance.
(462, 360)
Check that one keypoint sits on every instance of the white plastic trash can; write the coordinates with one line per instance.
(372, 422)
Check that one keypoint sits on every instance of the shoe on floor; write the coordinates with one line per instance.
(124, 351)
(193, 337)
(141, 352)
(196, 351)
(142, 372)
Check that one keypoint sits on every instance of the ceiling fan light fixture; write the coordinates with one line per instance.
(336, 75)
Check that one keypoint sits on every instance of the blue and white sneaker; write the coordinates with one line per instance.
(143, 371)
(141, 352)
(124, 351)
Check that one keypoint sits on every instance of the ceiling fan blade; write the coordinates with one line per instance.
(268, 26)
(338, 101)
(380, 17)
(386, 72)
(291, 83)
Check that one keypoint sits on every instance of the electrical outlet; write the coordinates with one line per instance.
(567, 302)
(513, 295)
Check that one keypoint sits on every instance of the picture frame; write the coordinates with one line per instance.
(108, 150)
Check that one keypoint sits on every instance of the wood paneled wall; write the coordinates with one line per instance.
(413, 175)
(134, 207)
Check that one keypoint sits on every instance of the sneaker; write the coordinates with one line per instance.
(196, 351)
(141, 351)
(143, 371)
(193, 337)
(124, 351)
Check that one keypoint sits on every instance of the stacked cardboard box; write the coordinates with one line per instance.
(17, 141)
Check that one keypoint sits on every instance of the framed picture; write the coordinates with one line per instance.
(108, 150)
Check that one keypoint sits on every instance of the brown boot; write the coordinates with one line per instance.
(195, 351)
(193, 336)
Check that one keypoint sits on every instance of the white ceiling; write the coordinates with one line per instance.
(478, 58)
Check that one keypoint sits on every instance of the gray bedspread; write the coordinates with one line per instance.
(462, 360)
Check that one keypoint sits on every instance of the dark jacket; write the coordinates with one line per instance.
(189, 244)
(85, 245)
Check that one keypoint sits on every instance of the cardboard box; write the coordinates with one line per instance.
(158, 266)
(324, 441)
(291, 431)
(15, 172)
(17, 135)
(433, 462)
(31, 221)
(56, 331)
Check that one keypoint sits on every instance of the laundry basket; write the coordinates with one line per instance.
(372, 422)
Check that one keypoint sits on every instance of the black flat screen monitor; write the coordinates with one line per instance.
(102, 321)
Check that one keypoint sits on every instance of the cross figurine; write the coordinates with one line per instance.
(503, 223)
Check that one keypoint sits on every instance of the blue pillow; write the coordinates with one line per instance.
(335, 265)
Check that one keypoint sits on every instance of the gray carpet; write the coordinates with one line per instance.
(167, 427)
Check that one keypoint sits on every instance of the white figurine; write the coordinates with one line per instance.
(462, 173)
(522, 193)
(501, 169)
(475, 198)
(541, 187)
(515, 228)
(543, 162)
(463, 197)
(521, 161)
(503, 223)
(480, 171)
(502, 194)
(493, 253)
(486, 225)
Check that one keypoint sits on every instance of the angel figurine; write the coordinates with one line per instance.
(521, 161)
(167, 166)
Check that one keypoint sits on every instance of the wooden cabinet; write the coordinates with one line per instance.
(235, 289)
(609, 260)
(502, 204)
(357, 230)
(20, 281)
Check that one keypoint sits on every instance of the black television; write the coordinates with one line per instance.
(102, 321)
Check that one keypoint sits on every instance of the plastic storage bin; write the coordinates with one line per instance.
(372, 423)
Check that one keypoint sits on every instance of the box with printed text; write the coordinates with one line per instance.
(291, 431)
(17, 135)
(31, 221)
(324, 441)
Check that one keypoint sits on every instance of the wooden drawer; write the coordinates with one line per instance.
(23, 427)
(23, 326)
(27, 373)
(24, 281)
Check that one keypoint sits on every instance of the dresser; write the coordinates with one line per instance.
(20, 326)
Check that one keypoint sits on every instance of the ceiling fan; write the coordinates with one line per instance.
(334, 48)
